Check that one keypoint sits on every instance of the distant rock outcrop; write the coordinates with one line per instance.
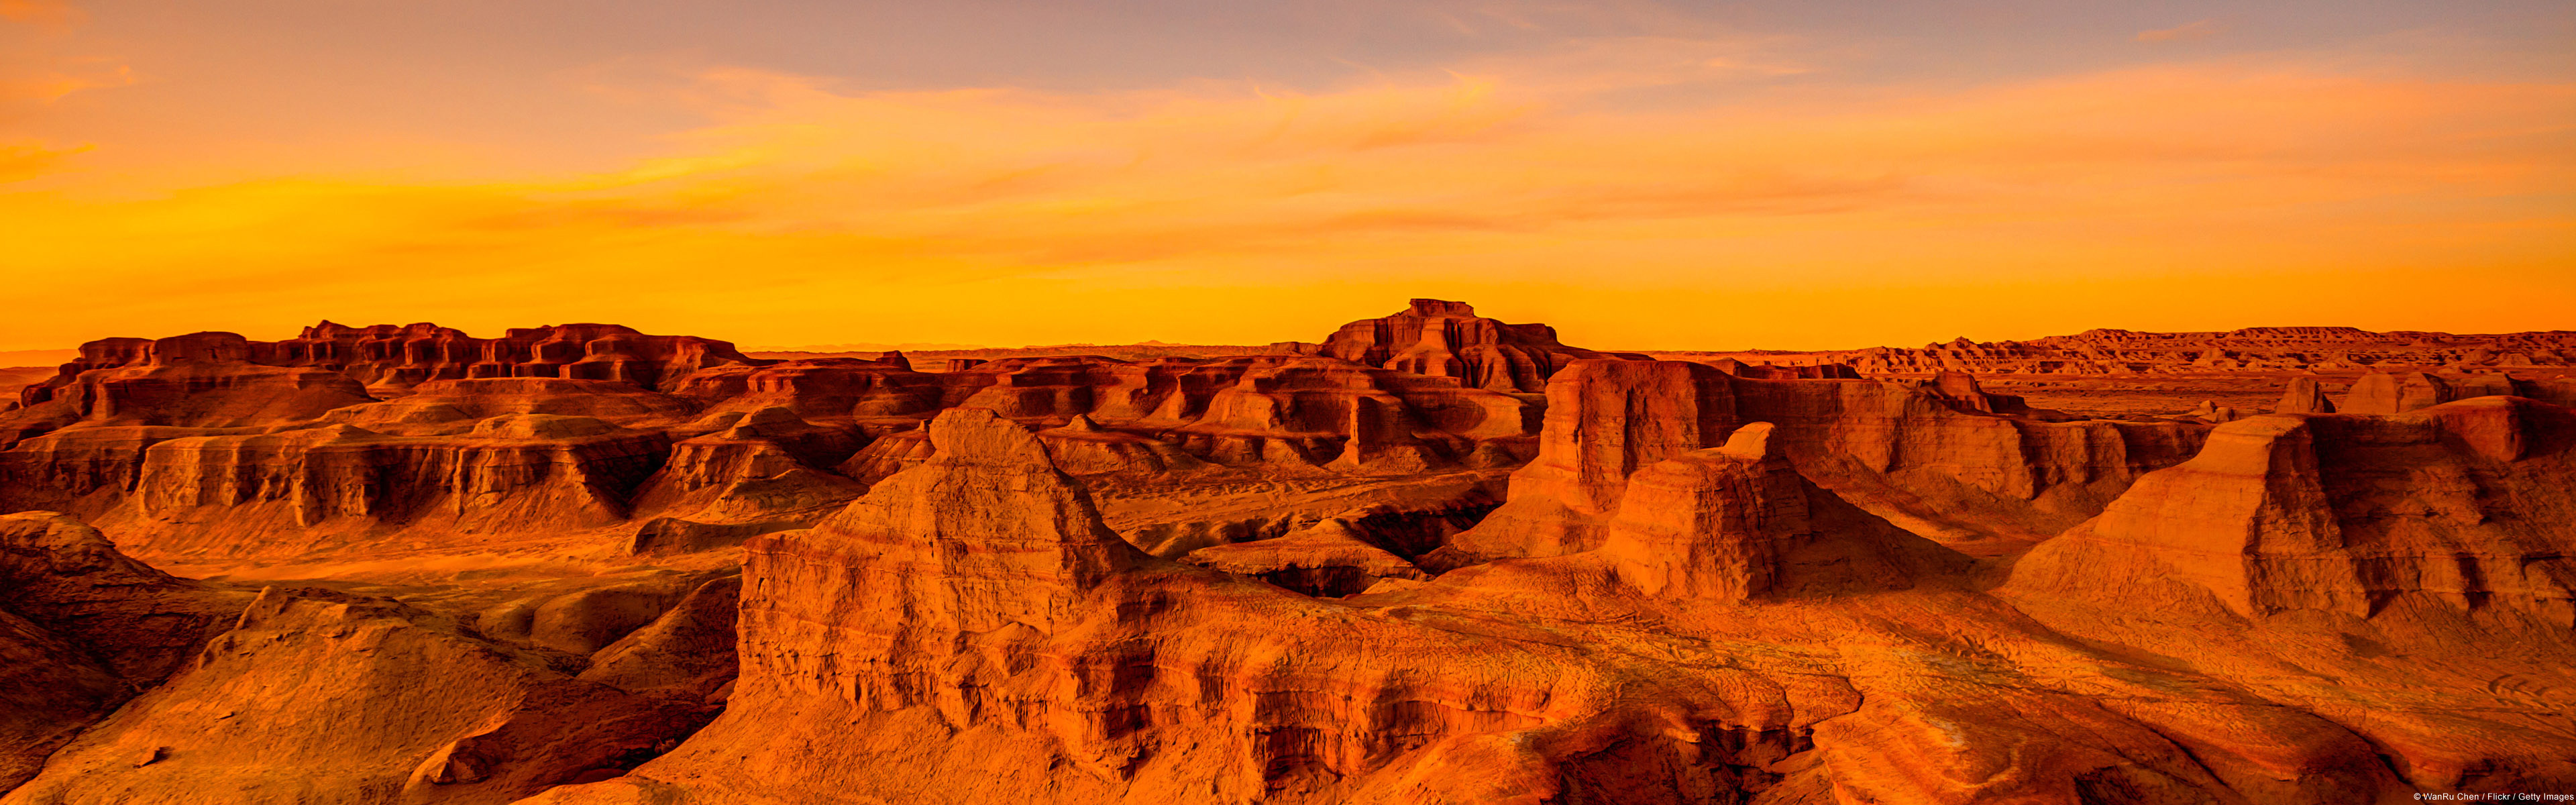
(389, 359)
(2392, 393)
(2130, 352)
(1447, 339)
(2304, 396)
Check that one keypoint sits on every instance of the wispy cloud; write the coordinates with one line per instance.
(20, 161)
(2200, 29)
(48, 82)
(39, 12)
(34, 64)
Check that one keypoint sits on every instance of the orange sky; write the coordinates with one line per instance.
(1657, 185)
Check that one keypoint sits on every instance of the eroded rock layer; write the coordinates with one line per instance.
(2110, 351)
(1940, 457)
(1032, 656)
(1438, 559)
(1447, 339)
(395, 439)
(2471, 503)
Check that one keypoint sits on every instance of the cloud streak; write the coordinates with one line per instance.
(39, 12)
(2186, 32)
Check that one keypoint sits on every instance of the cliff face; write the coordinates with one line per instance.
(2466, 503)
(2361, 543)
(309, 488)
(1398, 578)
(212, 445)
(1710, 524)
(977, 594)
(970, 623)
(1942, 458)
(388, 359)
(183, 393)
(765, 466)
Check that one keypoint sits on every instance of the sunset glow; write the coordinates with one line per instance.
(1641, 179)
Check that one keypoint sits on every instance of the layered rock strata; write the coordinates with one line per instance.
(970, 623)
(315, 697)
(2467, 503)
(733, 448)
(389, 359)
(82, 627)
(1941, 457)
(2121, 352)
(1447, 339)
(1710, 524)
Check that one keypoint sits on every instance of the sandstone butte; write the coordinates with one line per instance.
(1433, 558)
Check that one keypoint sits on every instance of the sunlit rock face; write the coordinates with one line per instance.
(1434, 559)
(1447, 339)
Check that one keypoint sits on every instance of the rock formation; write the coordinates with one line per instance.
(1709, 524)
(320, 697)
(1447, 339)
(2304, 396)
(2386, 393)
(252, 458)
(2128, 352)
(1330, 559)
(82, 627)
(2466, 503)
(1435, 560)
(390, 359)
(1105, 676)
(1942, 458)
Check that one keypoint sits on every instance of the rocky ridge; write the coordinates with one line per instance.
(2127, 352)
(1463, 563)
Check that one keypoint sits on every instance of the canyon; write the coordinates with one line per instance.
(1432, 557)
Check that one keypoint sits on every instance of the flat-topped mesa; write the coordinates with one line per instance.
(2114, 351)
(391, 359)
(2461, 503)
(1443, 338)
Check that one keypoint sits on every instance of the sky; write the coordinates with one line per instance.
(1642, 175)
